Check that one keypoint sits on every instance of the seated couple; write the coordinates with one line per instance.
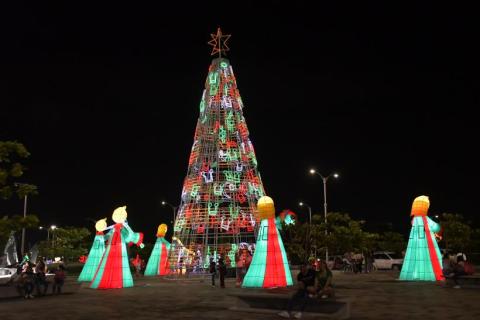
(311, 284)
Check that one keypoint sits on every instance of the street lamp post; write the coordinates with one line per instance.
(174, 208)
(53, 227)
(301, 204)
(307, 244)
(325, 179)
(23, 229)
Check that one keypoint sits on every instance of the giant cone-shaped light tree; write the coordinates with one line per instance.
(95, 254)
(158, 262)
(269, 267)
(216, 215)
(422, 260)
(113, 271)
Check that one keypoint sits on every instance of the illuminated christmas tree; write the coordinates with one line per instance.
(113, 271)
(269, 267)
(158, 262)
(216, 215)
(95, 254)
(422, 260)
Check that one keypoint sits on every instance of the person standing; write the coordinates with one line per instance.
(28, 280)
(40, 277)
(213, 271)
(222, 269)
(58, 279)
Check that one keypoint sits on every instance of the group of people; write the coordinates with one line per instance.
(455, 266)
(30, 276)
(358, 262)
(314, 282)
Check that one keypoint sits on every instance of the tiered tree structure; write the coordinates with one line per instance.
(216, 215)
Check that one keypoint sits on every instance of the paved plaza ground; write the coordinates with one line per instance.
(374, 296)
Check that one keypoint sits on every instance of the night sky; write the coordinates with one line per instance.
(105, 97)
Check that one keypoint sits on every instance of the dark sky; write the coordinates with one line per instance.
(105, 97)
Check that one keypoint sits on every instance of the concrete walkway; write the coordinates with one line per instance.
(375, 296)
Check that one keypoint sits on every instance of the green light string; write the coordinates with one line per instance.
(253, 158)
(194, 191)
(213, 81)
(230, 122)
(234, 211)
(231, 255)
(213, 208)
(232, 155)
(218, 189)
(233, 177)
(222, 134)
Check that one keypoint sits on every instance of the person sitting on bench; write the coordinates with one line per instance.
(323, 281)
(306, 282)
(456, 270)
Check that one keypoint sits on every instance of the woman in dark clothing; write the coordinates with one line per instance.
(40, 277)
(213, 271)
(222, 269)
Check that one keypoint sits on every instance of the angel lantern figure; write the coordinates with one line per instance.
(96, 253)
(158, 262)
(269, 267)
(113, 271)
(422, 260)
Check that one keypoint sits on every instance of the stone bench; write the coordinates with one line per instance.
(11, 290)
(273, 303)
(467, 280)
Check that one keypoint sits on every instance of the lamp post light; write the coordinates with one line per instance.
(174, 208)
(307, 244)
(325, 179)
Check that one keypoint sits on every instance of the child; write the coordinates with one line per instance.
(59, 279)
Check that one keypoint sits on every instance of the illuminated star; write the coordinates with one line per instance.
(219, 43)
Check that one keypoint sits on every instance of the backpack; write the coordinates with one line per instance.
(469, 268)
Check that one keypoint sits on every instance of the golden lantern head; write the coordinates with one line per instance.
(120, 214)
(420, 206)
(266, 208)
(101, 225)
(162, 230)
